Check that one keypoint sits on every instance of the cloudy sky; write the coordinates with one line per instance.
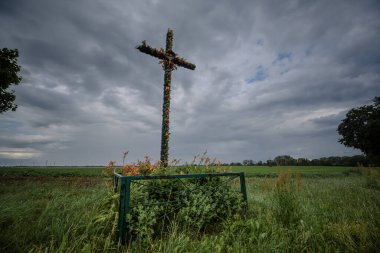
(272, 78)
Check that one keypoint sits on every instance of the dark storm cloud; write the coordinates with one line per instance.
(272, 77)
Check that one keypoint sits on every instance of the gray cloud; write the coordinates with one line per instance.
(272, 77)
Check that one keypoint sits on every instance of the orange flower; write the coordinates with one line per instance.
(130, 170)
(108, 170)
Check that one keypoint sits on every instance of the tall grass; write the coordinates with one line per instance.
(286, 214)
(286, 203)
(36, 217)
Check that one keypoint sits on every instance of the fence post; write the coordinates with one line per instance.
(243, 190)
(125, 192)
(115, 182)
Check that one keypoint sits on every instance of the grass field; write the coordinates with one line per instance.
(51, 171)
(323, 171)
(249, 170)
(73, 210)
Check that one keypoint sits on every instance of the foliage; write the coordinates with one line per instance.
(246, 233)
(145, 167)
(248, 163)
(250, 171)
(286, 204)
(287, 160)
(50, 217)
(361, 129)
(8, 76)
(372, 177)
(193, 204)
(56, 171)
(304, 171)
(339, 214)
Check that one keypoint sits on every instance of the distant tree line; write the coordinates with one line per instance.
(286, 160)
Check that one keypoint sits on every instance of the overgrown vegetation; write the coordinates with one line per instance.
(285, 213)
(286, 206)
(195, 204)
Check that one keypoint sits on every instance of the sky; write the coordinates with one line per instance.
(272, 78)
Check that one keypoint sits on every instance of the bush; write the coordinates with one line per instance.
(196, 204)
(192, 204)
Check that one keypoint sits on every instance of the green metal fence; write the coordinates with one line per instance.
(125, 204)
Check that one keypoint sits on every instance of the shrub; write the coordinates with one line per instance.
(193, 204)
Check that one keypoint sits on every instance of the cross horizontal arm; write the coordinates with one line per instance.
(162, 55)
(183, 63)
(145, 48)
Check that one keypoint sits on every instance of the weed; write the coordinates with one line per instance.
(286, 204)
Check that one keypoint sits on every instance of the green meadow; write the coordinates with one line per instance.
(313, 171)
(258, 171)
(51, 171)
(290, 209)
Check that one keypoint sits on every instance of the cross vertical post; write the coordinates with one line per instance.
(166, 106)
(170, 61)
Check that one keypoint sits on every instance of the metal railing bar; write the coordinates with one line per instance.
(201, 175)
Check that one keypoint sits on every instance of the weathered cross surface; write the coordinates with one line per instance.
(170, 61)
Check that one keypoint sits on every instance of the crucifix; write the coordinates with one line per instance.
(169, 61)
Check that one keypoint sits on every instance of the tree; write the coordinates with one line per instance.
(361, 129)
(270, 163)
(284, 160)
(247, 162)
(8, 76)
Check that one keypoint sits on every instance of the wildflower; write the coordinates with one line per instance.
(130, 170)
(109, 169)
(175, 162)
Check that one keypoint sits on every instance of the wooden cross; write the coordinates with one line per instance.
(169, 61)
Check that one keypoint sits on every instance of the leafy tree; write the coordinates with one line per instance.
(247, 162)
(8, 76)
(270, 163)
(284, 160)
(303, 162)
(361, 129)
